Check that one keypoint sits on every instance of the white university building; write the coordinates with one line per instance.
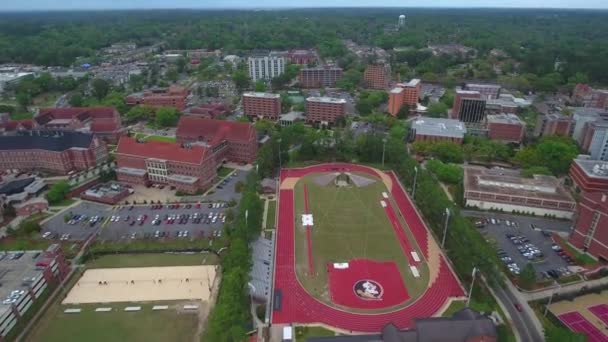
(266, 67)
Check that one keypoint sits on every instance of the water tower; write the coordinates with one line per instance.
(401, 21)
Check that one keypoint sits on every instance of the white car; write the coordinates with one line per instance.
(46, 235)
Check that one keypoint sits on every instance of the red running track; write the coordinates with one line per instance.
(297, 306)
(308, 236)
(400, 233)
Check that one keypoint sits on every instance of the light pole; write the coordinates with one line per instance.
(415, 178)
(472, 285)
(280, 162)
(445, 226)
(383, 149)
(551, 298)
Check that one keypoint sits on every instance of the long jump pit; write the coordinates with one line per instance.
(143, 284)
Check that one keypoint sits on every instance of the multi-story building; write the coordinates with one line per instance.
(186, 167)
(228, 140)
(265, 65)
(589, 175)
(591, 225)
(554, 124)
(506, 103)
(582, 116)
(262, 105)
(469, 106)
(506, 127)
(302, 57)
(53, 151)
(33, 274)
(104, 122)
(587, 96)
(319, 77)
(377, 76)
(595, 139)
(404, 94)
(508, 191)
(324, 110)
(435, 129)
(174, 96)
(486, 91)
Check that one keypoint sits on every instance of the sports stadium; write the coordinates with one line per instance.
(353, 253)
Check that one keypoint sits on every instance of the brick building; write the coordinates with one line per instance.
(324, 110)
(319, 77)
(589, 175)
(587, 96)
(507, 190)
(7, 125)
(209, 110)
(262, 105)
(554, 124)
(174, 97)
(229, 140)
(53, 151)
(404, 94)
(469, 106)
(486, 91)
(377, 76)
(31, 206)
(188, 168)
(104, 122)
(591, 225)
(506, 127)
(435, 129)
(302, 57)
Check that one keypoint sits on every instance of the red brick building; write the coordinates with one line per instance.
(469, 106)
(104, 122)
(591, 226)
(437, 129)
(506, 127)
(404, 94)
(262, 106)
(53, 151)
(377, 76)
(319, 77)
(302, 57)
(229, 140)
(324, 110)
(589, 175)
(554, 124)
(8, 126)
(175, 97)
(587, 96)
(209, 110)
(188, 168)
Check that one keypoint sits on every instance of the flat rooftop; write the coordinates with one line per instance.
(413, 82)
(439, 127)
(510, 182)
(504, 118)
(326, 99)
(593, 168)
(481, 85)
(266, 95)
(15, 273)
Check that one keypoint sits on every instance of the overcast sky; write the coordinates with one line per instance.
(12, 5)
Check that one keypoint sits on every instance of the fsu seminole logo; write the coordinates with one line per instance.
(368, 290)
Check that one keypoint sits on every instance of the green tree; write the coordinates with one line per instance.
(437, 110)
(560, 334)
(172, 75)
(166, 117)
(404, 111)
(24, 99)
(527, 277)
(58, 192)
(76, 100)
(241, 80)
(260, 86)
(100, 88)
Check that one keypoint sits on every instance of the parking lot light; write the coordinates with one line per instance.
(445, 227)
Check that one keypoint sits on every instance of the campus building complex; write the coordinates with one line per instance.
(104, 122)
(302, 56)
(589, 175)
(324, 110)
(174, 96)
(265, 65)
(377, 76)
(554, 124)
(591, 226)
(506, 127)
(507, 190)
(435, 129)
(469, 106)
(486, 91)
(25, 277)
(262, 105)
(319, 77)
(53, 151)
(404, 94)
(587, 96)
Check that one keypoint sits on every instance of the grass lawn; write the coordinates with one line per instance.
(349, 223)
(454, 307)
(155, 245)
(224, 171)
(91, 326)
(22, 116)
(46, 99)
(152, 259)
(161, 138)
(303, 333)
(271, 215)
(65, 203)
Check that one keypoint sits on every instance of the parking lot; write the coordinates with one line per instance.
(518, 243)
(164, 221)
(64, 227)
(225, 192)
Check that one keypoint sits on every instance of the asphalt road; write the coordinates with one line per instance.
(521, 321)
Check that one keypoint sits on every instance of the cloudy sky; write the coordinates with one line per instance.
(11, 5)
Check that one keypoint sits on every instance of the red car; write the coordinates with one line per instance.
(518, 307)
